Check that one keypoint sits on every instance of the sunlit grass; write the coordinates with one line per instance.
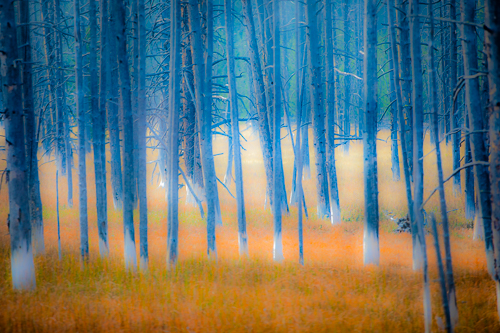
(332, 292)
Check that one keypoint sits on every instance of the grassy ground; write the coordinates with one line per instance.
(332, 292)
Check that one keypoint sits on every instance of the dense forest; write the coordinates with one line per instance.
(121, 98)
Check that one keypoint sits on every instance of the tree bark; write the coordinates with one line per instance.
(141, 138)
(35, 200)
(371, 251)
(173, 160)
(492, 48)
(477, 126)
(330, 113)
(318, 113)
(128, 135)
(235, 131)
(99, 120)
(204, 117)
(22, 265)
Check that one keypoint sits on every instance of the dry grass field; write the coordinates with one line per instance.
(332, 292)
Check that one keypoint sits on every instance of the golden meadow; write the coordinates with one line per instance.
(332, 292)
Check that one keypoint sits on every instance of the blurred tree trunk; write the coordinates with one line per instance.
(204, 117)
(452, 119)
(35, 200)
(371, 252)
(477, 126)
(50, 61)
(64, 149)
(173, 127)
(417, 227)
(141, 138)
(406, 79)
(260, 97)
(399, 104)
(128, 134)
(98, 108)
(318, 113)
(418, 136)
(330, 112)
(492, 48)
(235, 131)
(99, 122)
(347, 79)
(22, 265)
(298, 103)
(113, 113)
(449, 300)
(80, 110)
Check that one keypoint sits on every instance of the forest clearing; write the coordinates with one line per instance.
(333, 291)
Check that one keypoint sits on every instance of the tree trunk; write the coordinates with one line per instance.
(449, 297)
(453, 118)
(173, 160)
(235, 131)
(399, 104)
(347, 79)
(128, 135)
(64, 149)
(492, 48)
(477, 126)
(406, 80)
(371, 252)
(204, 117)
(99, 120)
(330, 113)
(318, 113)
(113, 115)
(141, 138)
(298, 103)
(22, 265)
(260, 97)
(80, 110)
(417, 227)
(418, 137)
(35, 200)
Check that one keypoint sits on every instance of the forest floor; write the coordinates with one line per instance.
(332, 292)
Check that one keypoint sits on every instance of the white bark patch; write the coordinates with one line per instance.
(452, 301)
(243, 244)
(335, 214)
(478, 229)
(23, 269)
(130, 252)
(427, 307)
(3, 63)
(278, 248)
(103, 248)
(144, 264)
(371, 254)
(498, 297)
(418, 258)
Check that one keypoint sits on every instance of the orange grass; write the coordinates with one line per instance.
(333, 292)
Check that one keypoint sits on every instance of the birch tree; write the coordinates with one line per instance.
(22, 265)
